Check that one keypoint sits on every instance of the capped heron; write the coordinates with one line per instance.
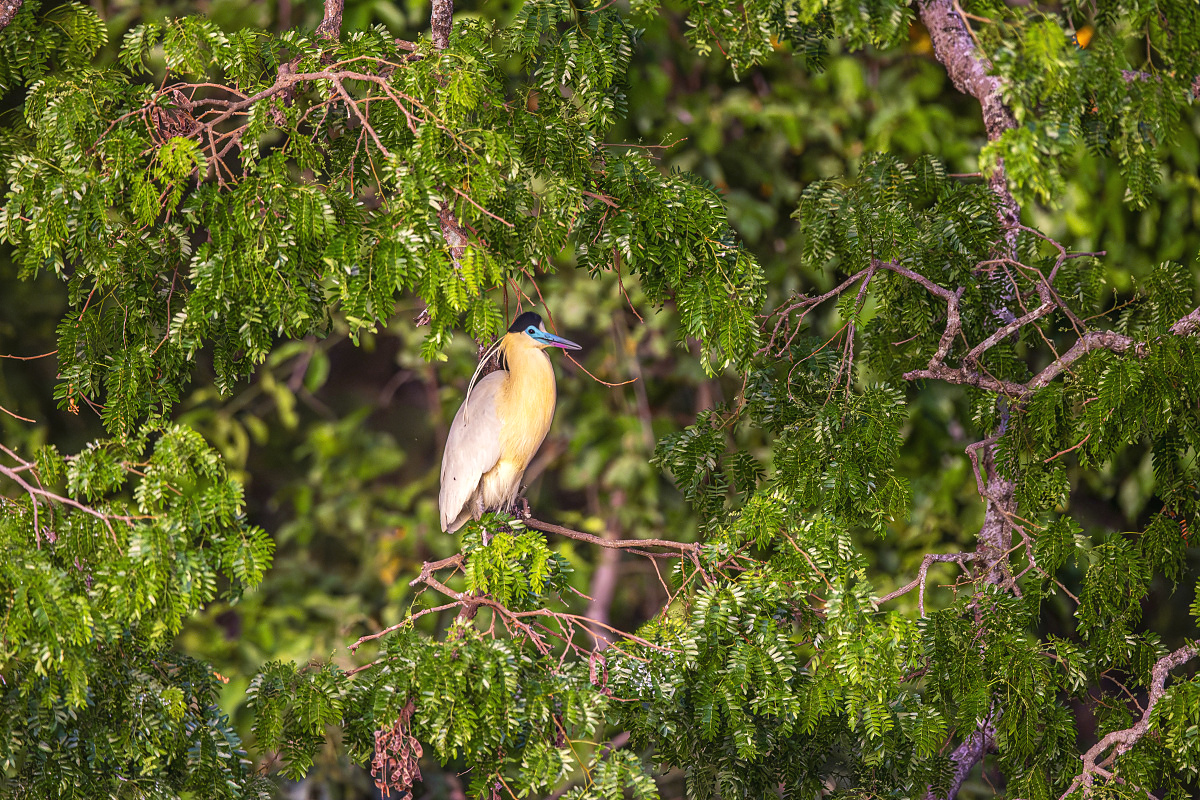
(500, 425)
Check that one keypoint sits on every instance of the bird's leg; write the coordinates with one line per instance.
(478, 501)
(523, 512)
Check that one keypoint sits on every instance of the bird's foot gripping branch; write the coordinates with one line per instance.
(530, 687)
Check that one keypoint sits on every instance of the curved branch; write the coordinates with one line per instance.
(1122, 741)
(1092, 340)
(953, 319)
(430, 567)
(954, 47)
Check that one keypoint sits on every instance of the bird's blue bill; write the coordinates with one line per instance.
(543, 337)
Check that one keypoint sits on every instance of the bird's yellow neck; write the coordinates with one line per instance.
(528, 396)
(529, 371)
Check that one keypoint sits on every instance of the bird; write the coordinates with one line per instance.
(500, 425)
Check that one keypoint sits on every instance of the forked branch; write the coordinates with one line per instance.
(919, 582)
(38, 495)
(1117, 743)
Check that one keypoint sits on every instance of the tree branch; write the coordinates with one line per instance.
(200, 118)
(1131, 75)
(955, 48)
(38, 494)
(1092, 340)
(8, 10)
(966, 756)
(1008, 330)
(968, 373)
(919, 581)
(468, 603)
(430, 567)
(1187, 325)
(331, 26)
(1122, 741)
(1088, 342)
(452, 232)
(615, 544)
(804, 304)
(440, 21)
(953, 320)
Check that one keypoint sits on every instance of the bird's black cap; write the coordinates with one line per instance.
(524, 321)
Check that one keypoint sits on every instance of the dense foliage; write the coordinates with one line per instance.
(930, 378)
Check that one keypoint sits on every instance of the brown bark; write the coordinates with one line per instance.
(8, 10)
(331, 26)
(1187, 325)
(440, 22)
(966, 756)
(455, 236)
(968, 70)
(954, 47)
(1120, 742)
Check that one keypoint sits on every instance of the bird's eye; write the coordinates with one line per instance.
(531, 330)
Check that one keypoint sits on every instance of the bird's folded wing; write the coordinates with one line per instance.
(472, 448)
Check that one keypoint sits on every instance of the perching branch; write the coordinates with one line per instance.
(1122, 741)
(469, 603)
(430, 567)
(511, 619)
(632, 545)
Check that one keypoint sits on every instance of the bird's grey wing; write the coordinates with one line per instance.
(472, 448)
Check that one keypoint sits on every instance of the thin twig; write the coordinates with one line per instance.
(615, 544)
(28, 358)
(919, 582)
